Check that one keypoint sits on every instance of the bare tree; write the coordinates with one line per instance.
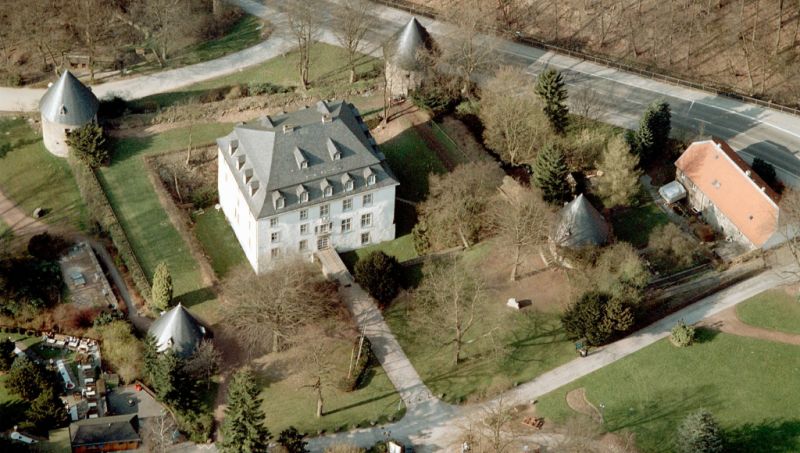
(454, 211)
(515, 125)
(522, 220)
(204, 363)
(267, 310)
(319, 366)
(446, 304)
(94, 25)
(494, 429)
(159, 432)
(585, 102)
(350, 23)
(304, 22)
(789, 223)
(467, 51)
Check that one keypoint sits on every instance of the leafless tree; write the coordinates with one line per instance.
(789, 225)
(93, 24)
(454, 211)
(304, 22)
(159, 432)
(446, 304)
(204, 363)
(466, 51)
(515, 125)
(351, 21)
(585, 102)
(317, 353)
(495, 429)
(581, 435)
(522, 221)
(268, 309)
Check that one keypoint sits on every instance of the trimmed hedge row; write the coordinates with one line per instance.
(100, 209)
(354, 381)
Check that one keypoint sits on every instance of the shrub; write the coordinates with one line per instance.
(88, 143)
(699, 433)
(121, 350)
(203, 197)
(236, 92)
(670, 250)
(292, 440)
(197, 426)
(107, 317)
(377, 273)
(47, 247)
(359, 368)
(597, 317)
(682, 335)
(261, 88)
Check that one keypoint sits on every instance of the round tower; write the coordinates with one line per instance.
(405, 65)
(67, 104)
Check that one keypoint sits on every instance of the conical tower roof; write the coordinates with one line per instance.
(404, 47)
(580, 225)
(68, 101)
(177, 329)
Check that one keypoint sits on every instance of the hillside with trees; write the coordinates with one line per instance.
(749, 45)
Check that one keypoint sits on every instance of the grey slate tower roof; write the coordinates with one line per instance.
(404, 47)
(290, 156)
(580, 225)
(68, 101)
(177, 329)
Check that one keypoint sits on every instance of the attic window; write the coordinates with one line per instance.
(348, 186)
(248, 174)
(240, 162)
(233, 145)
(253, 188)
(333, 149)
(280, 201)
(300, 158)
(327, 188)
(302, 194)
(371, 180)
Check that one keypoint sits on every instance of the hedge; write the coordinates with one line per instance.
(360, 368)
(102, 212)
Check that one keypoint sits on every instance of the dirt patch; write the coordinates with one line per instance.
(727, 321)
(576, 400)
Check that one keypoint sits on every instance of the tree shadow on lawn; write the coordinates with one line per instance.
(375, 398)
(705, 335)
(125, 148)
(11, 413)
(196, 297)
(770, 436)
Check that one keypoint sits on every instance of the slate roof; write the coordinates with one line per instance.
(717, 171)
(580, 225)
(280, 157)
(103, 430)
(404, 47)
(68, 101)
(177, 329)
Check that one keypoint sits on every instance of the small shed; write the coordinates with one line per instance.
(672, 192)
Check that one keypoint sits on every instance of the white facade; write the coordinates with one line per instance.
(354, 219)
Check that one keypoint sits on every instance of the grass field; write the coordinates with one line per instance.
(635, 224)
(411, 161)
(749, 385)
(219, 241)
(287, 404)
(774, 310)
(328, 66)
(152, 236)
(34, 178)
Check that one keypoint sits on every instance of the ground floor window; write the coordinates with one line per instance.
(322, 243)
(275, 252)
(303, 245)
(364, 238)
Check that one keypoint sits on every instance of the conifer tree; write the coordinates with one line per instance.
(550, 87)
(161, 296)
(550, 174)
(7, 355)
(243, 429)
(654, 128)
(699, 433)
(620, 181)
(87, 143)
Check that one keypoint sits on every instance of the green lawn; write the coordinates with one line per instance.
(411, 161)
(773, 309)
(150, 231)
(5, 231)
(635, 224)
(286, 403)
(328, 66)
(34, 178)
(749, 385)
(58, 442)
(219, 241)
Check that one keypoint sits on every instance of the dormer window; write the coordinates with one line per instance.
(348, 186)
(302, 194)
(337, 156)
(327, 188)
(348, 182)
(253, 188)
(333, 149)
(371, 180)
(233, 145)
(300, 158)
(240, 162)
(280, 203)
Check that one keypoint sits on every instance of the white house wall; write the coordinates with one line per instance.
(237, 212)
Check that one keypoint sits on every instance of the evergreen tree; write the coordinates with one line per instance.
(28, 379)
(653, 134)
(550, 174)
(619, 183)
(550, 87)
(597, 317)
(377, 273)
(699, 433)
(88, 144)
(47, 411)
(243, 429)
(161, 296)
(150, 358)
(292, 440)
(7, 355)
(767, 173)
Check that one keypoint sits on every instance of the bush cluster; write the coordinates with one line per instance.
(359, 369)
(597, 317)
(682, 335)
(377, 273)
(102, 212)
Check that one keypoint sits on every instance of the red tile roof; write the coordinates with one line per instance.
(731, 185)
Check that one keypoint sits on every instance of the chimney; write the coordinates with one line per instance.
(763, 189)
(747, 172)
(326, 118)
(287, 128)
